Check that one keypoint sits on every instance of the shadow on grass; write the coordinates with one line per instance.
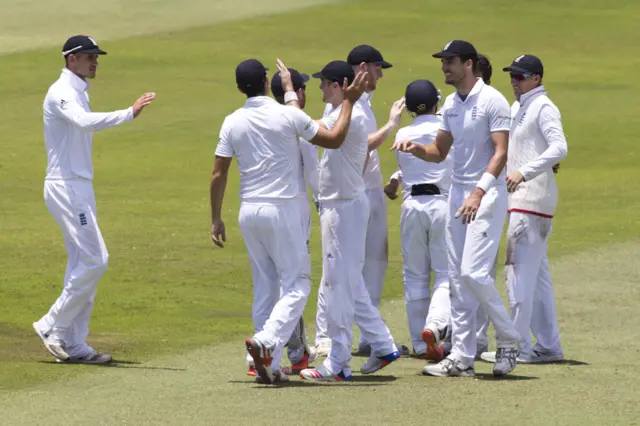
(117, 364)
(507, 378)
(359, 381)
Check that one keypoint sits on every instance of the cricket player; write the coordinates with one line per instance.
(368, 58)
(475, 120)
(264, 137)
(343, 220)
(299, 352)
(68, 192)
(536, 144)
(425, 188)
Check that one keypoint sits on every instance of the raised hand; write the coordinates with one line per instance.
(353, 92)
(396, 112)
(142, 102)
(285, 76)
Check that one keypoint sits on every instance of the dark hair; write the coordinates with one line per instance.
(483, 66)
(257, 90)
(473, 58)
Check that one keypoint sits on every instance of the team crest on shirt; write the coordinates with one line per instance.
(474, 112)
(522, 118)
(63, 104)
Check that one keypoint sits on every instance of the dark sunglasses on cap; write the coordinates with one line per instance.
(520, 77)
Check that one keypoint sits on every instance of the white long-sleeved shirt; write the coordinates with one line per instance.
(69, 125)
(536, 144)
(264, 136)
(309, 172)
(415, 171)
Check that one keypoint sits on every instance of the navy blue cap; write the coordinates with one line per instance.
(456, 48)
(81, 43)
(526, 64)
(421, 96)
(250, 74)
(297, 79)
(336, 71)
(367, 54)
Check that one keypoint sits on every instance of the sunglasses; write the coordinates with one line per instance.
(520, 77)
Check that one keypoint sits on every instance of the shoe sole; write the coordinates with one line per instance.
(60, 357)
(262, 369)
(434, 352)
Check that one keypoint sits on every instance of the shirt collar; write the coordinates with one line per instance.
(426, 118)
(259, 101)
(474, 91)
(75, 81)
(365, 98)
(532, 94)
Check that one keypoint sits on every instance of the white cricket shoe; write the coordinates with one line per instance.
(55, 346)
(505, 361)
(449, 367)
(321, 374)
(323, 347)
(481, 350)
(92, 357)
(535, 357)
(261, 358)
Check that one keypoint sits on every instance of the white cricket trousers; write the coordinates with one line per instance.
(273, 233)
(423, 222)
(531, 297)
(72, 204)
(375, 263)
(344, 227)
(472, 251)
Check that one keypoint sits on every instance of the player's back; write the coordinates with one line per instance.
(416, 171)
(264, 140)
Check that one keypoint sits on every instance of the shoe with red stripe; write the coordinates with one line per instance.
(298, 367)
(432, 340)
(252, 371)
(321, 374)
(261, 359)
(375, 363)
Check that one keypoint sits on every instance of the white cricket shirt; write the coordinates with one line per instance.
(536, 144)
(415, 171)
(471, 122)
(373, 173)
(69, 125)
(264, 135)
(341, 169)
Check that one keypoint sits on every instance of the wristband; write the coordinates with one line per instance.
(290, 96)
(486, 182)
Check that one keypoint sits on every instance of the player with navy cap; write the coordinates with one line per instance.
(425, 188)
(536, 144)
(298, 350)
(264, 135)
(344, 213)
(368, 58)
(475, 120)
(69, 124)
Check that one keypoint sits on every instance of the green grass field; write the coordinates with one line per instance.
(174, 311)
